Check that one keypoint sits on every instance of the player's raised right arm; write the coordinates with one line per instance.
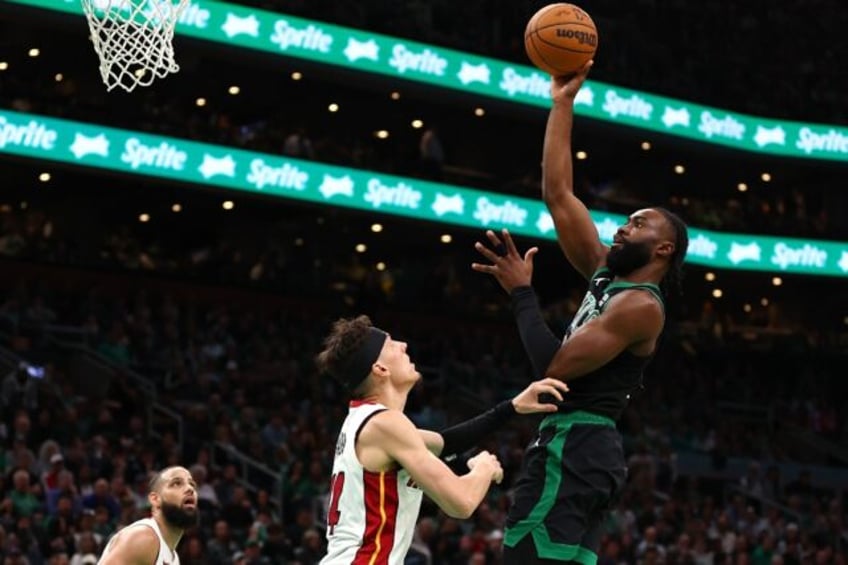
(575, 229)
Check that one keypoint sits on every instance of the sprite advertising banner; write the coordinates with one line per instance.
(133, 153)
(358, 50)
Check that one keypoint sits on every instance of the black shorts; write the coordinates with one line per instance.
(571, 477)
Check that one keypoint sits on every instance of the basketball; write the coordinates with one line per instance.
(560, 38)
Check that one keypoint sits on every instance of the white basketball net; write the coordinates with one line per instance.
(133, 39)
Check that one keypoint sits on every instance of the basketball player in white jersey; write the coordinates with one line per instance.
(153, 541)
(383, 463)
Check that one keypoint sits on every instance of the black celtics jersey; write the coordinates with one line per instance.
(607, 390)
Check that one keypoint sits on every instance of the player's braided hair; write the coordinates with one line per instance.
(346, 337)
(672, 283)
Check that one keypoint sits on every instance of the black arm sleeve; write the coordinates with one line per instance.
(467, 434)
(539, 341)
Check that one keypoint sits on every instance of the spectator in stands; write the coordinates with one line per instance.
(194, 553)
(19, 390)
(752, 482)
(238, 513)
(299, 144)
(649, 544)
(206, 495)
(102, 497)
(62, 522)
(103, 525)
(100, 463)
(274, 432)
(65, 488)
(22, 500)
(56, 464)
(253, 554)
(86, 550)
(226, 484)
(221, 546)
(86, 527)
(115, 346)
(277, 548)
(431, 153)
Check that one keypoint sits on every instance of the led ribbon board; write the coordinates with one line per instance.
(359, 50)
(133, 153)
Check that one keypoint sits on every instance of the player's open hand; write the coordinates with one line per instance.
(527, 401)
(509, 268)
(566, 87)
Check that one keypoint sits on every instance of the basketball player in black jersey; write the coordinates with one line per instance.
(576, 467)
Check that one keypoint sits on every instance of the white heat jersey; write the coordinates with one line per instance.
(371, 516)
(165, 557)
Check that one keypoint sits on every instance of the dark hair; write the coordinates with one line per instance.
(672, 283)
(345, 339)
(153, 483)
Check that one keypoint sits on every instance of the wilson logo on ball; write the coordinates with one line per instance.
(581, 36)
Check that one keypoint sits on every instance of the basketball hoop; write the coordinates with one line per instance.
(133, 39)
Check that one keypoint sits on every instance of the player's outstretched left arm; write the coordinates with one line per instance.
(465, 435)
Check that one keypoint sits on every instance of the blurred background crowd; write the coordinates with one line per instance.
(126, 346)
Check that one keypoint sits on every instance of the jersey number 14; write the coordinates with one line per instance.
(333, 513)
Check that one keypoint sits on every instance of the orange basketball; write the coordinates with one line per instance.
(560, 38)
